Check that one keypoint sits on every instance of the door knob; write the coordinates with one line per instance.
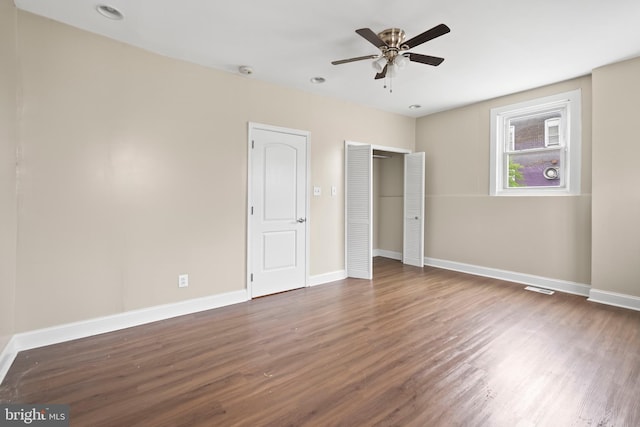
(301, 220)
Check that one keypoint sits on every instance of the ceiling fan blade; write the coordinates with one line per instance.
(425, 59)
(437, 31)
(382, 73)
(359, 58)
(371, 37)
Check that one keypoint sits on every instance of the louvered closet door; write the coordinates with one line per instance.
(359, 224)
(413, 233)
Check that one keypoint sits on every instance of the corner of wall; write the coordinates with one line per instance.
(9, 106)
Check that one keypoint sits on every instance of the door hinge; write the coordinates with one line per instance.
(253, 144)
(251, 210)
(252, 277)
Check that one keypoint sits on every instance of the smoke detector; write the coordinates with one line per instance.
(246, 70)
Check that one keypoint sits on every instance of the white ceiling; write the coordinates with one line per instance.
(495, 47)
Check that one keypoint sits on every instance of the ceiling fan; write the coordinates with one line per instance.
(392, 47)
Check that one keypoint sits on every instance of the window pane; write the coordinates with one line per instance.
(552, 129)
(539, 169)
(529, 131)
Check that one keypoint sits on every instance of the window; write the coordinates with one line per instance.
(552, 132)
(535, 147)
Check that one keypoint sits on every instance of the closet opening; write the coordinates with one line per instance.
(388, 203)
(384, 207)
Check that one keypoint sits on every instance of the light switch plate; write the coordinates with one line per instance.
(317, 191)
(183, 280)
(334, 190)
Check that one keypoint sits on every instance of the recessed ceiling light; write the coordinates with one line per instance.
(415, 106)
(109, 12)
(317, 80)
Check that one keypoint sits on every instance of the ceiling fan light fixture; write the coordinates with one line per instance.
(400, 61)
(392, 71)
(379, 64)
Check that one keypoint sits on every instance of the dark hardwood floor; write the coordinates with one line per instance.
(413, 347)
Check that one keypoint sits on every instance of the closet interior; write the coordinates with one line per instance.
(388, 199)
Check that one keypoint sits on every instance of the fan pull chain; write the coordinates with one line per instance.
(390, 84)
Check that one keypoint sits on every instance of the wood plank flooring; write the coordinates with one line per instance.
(413, 347)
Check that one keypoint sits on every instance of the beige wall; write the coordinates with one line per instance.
(8, 143)
(544, 236)
(134, 171)
(616, 178)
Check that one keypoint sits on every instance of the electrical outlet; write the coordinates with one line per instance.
(183, 280)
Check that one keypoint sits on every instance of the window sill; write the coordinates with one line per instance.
(534, 193)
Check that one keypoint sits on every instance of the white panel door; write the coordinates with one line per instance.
(413, 229)
(278, 200)
(359, 224)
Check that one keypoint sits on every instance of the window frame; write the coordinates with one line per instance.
(570, 140)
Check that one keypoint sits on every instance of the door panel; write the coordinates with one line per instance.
(413, 228)
(359, 224)
(280, 182)
(278, 197)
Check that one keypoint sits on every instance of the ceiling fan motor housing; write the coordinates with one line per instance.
(393, 37)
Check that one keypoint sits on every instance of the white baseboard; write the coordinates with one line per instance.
(86, 328)
(388, 254)
(321, 279)
(512, 276)
(615, 299)
(6, 358)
